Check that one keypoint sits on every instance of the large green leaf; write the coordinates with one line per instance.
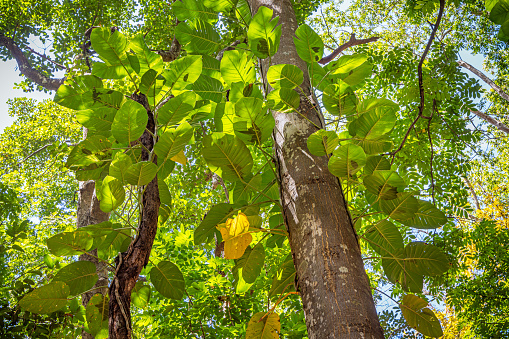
(339, 99)
(284, 278)
(223, 117)
(211, 67)
(97, 316)
(427, 216)
(93, 150)
(373, 124)
(322, 142)
(267, 328)
(112, 194)
(218, 214)
(115, 242)
(172, 142)
(140, 294)
(243, 192)
(397, 270)
(347, 63)
(197, 37)
(347, 160)
(251, 263)
(425, 259)
(308, 43)
(46, 299)
(227, 156)
(193, 9)
(182, 72)
(384, 237)
(147, 58)
(243, 12)
(402, 208)
(376, 163)
(168, 280)
(80, 276)
(284, 100)
(283, 75)
(130, 122)
(263, 35)
(253, 123)
(112, 48)
(141, 173)
(70, 94)
(176, 109)
(419, 317)
(208, 88)
(97, 120)
(119, 165)
(69, 243)
(356, 76)
(384, 184)
(151, 85)
(237, 66)
(500, 12)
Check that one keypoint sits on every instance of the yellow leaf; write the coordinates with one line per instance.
(235, 236)
(180, 158)
(268, 328)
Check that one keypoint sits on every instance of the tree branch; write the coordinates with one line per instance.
(498, 124)
(26, 69)
(350, 43)
(171, 54)
(484, 78)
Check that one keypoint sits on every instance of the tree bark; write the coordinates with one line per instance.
(130, 263)
(498, 124)
(331, 278)
(485, 79)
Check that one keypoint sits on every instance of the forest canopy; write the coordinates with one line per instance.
(256, 169)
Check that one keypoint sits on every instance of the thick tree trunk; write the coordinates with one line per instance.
(89, 213)
(130, 263)
(331, 278)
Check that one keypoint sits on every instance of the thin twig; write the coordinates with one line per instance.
(48, 58)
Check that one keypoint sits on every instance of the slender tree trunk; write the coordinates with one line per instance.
(89, 213)
(130, 263)
(331, 278)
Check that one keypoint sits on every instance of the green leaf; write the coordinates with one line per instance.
(116, 241)
(237, 66)
(284, 278)
(376, 163)
(322, 142)
(119, 165)
(263, 35)
(70, 94)
(419, 317)
(356, 76)
(193, 9)
(208, 88)
(219, 5)
(182, 72)
(223, 117)
(243, 192)
(489, 4)
(227, 156)
(500, 12)
(374, 146)
(197, 37)
(308, 43)
(243, 12)
(287, 76)
(347, 63)
(98, 119)
(168, 280)
(93, 150)
(284, 100)
(141, 173)
(176, 109)
(112, 48)
(112, 194)
(373, 124)
(49, 261)
(425, 259)
(252, 123)
(140, 295)
(347, 160)
(69, 243)
(211, 67)
(384, 238)
(251, 263)
(97, 316)
(46, 299)
(384, 184)
(396, 268)
(147, 58)
(426, 217)
(80, 276)
(239, 90)
(266, 328)
(339, 99)
(402, 208)
(172, 142)
(218, 214)
(130, 122)
(151, 83)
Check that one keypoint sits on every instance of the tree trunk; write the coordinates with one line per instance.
(331, 278)
(130, 263)
(89, 213)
